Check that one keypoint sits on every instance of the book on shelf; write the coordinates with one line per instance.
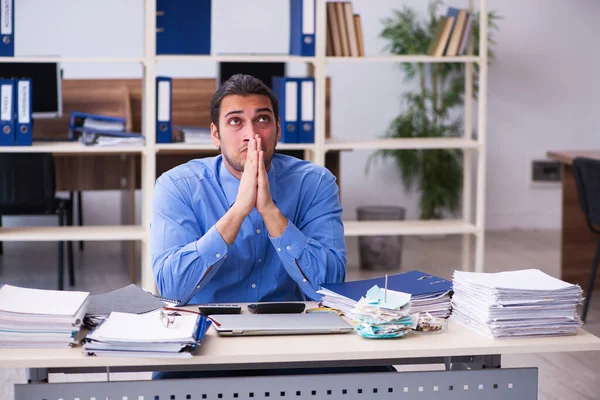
(344, 30)
(451, 34)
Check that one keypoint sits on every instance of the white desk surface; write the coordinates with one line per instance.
(216, 350)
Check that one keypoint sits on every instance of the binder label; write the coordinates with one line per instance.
(164, 103)
(308, 17)
(6, 95)
(291, 101)
(6, 28)
(23, 102)
(307, 101)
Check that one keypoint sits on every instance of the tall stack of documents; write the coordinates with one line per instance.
(144, 335)
(35, 318)
(429, 294)
(516, 303)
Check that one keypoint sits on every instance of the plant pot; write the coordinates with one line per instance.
(380, 252)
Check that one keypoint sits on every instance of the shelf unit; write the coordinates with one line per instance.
(467, 226)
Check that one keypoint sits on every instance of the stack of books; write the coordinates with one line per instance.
(344, 31)
(516, 303)
(146, 335)
(428, 293)
(37, 318)
(451, 34)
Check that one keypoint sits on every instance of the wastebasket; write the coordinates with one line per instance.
(380, 252)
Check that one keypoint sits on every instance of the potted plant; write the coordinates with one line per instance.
(435, 110)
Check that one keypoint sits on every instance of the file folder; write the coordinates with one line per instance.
(7, 28)
(416, 283)
(78, 121)
(163, 109)
(7, 117)
(302, 27)
(286, 91)
(183, 26)
(23, 110)
(306, 133)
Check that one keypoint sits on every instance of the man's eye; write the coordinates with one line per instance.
(234, 121)
(263, 118)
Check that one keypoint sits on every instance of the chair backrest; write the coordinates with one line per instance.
(26, 180)
(587, 178)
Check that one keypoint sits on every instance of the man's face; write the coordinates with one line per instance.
(241, 118)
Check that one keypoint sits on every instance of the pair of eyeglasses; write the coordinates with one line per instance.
(168, 314)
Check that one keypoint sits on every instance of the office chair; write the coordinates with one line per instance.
(27, 187)
(587, 180)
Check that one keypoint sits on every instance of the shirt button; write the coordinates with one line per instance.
(304, 280)
(218, 255)
(289, 247)
(279, 249)
(260, 260)
(258, 231)
(254, 286)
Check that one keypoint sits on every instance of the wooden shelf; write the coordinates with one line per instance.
(71, 147)
(184, 147)
(72, 59)
(411, 227)
(408, 143)
(74, 233)
(238, 58)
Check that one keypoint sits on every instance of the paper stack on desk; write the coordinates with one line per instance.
(383, 314)
(516, 303)
(428, 293)
(144, 335)
(37, 318)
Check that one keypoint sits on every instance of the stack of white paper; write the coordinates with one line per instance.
(196, 135)
(92, 123)
(36, 318)
(144, 335)
(516, 303)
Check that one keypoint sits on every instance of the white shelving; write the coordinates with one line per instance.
(71, 147)
(172, 147)
(408, 143)
(416, 227)
(239, 58)
(73, 59)
(467, 226)
(403, 59)
(68, 233)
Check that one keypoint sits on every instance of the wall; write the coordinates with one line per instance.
(541, 91)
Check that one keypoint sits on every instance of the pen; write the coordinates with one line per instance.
(385, 291)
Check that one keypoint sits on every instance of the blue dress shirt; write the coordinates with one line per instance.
(192, 263)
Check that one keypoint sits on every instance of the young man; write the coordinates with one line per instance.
(248, 225)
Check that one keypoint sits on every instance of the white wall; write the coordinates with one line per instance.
(541, 88)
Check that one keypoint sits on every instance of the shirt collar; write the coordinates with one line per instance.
(231, 184)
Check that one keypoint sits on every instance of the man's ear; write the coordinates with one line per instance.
(214, 135)
(278, 130)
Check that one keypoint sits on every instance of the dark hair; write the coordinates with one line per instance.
(242, 85)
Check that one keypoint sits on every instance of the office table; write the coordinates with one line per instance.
(578, 243)
(472, 368)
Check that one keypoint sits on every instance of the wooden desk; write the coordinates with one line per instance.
(459, 347)
(578, 243)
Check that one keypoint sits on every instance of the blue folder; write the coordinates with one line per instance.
(302, 27)
(23, 111)
(416, 283)
(7, 29)
(183, 26)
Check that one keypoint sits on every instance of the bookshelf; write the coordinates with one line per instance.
(470, 226)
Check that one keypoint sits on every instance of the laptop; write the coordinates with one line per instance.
(280, 324)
